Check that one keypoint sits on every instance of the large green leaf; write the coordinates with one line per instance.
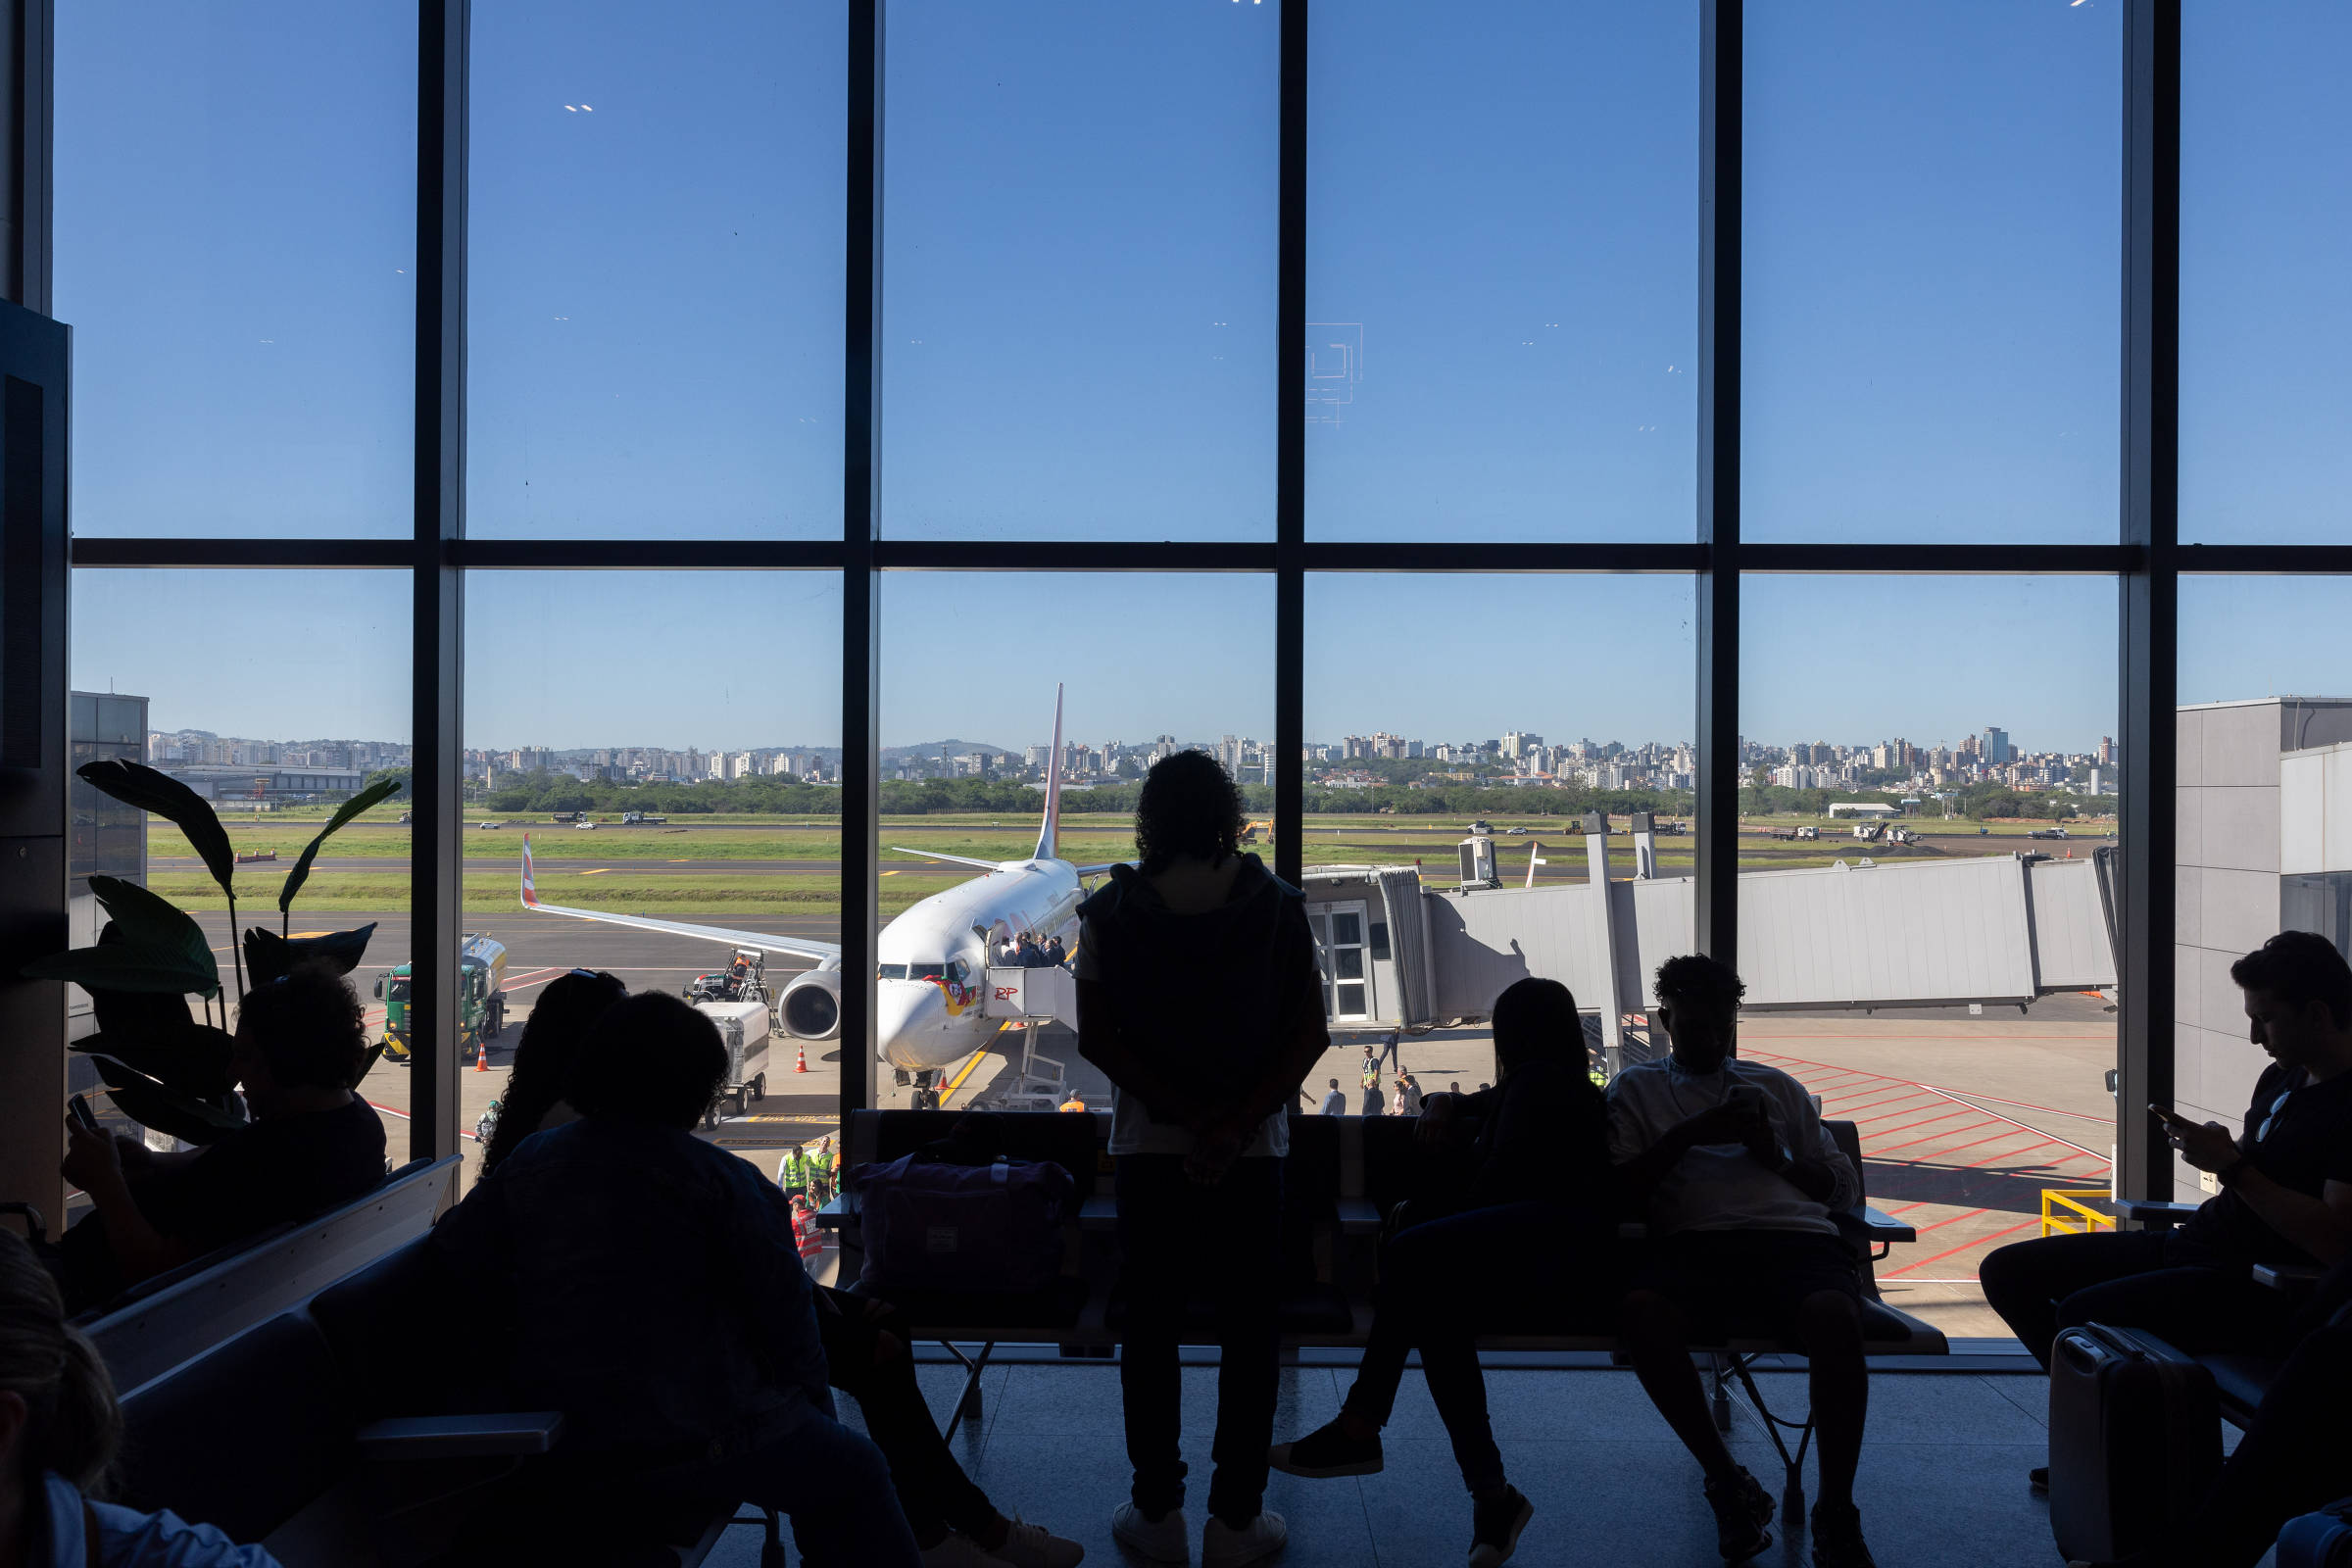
(192, 1060)
(153, 923)
(382, 789)
(122, 967)
(136, 784)
(267, 955)
(155, 1105)
(137, 1015)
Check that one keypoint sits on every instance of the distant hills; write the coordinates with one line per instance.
(949, 748)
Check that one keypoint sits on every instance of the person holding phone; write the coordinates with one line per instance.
(2286, 1187)
(1729, 1165)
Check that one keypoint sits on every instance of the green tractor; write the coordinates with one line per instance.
(481, 997)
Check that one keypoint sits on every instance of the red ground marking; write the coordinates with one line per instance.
(1880, 1154)
(1955, 1219)
(1962, 1247)
(1908, 1110)
(1848, 1104)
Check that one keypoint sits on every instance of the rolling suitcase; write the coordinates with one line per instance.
(2321, 1539)
(2135, 1440)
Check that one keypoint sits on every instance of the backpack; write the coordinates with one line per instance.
(993, 1229)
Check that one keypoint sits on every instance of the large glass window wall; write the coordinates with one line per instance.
(747, 428)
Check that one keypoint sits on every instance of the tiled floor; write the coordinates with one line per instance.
(1943, 1479)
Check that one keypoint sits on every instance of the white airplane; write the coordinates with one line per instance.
(932, 960)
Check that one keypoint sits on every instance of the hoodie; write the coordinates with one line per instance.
(1208, 996)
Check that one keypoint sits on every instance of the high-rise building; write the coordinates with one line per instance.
(1997, 746)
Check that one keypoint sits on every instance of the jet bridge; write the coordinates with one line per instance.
(1998, 929)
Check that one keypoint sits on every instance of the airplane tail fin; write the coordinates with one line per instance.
(530, 889)
(1048, 833)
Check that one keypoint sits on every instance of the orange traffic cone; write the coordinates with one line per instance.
(481, 1057)
(800, 1065)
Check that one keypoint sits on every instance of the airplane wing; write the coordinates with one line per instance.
(1096, 870)
(952, 860)
(759, 941)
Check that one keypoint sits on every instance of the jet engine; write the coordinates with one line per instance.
(809, 1008)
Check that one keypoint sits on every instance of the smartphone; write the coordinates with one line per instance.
(77, 1106)
(2169, 1117)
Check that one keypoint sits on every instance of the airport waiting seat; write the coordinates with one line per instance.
(367, 1425)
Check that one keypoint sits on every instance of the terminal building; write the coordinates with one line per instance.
(1732, 385)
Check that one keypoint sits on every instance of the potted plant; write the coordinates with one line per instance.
(162, 1066)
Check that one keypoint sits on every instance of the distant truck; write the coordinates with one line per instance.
(2048, 833)
(565, 817)
(1808, 831)
(481, 997)
(743, 1027)
(641, 819)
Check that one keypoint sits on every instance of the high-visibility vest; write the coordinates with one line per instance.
(1073, 1104)
(1372, 1076)
(796, 1169)
(812, 1241)
(821, 1167)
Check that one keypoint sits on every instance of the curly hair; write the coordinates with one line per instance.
(1188, 805)
(73, 1424)
(308, 1026)
(565, 1012)
(2299, 968)
(1696, 977)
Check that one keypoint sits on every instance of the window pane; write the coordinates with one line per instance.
(655, 293)
(1923, 896)
(2265, 736)
(966, 740)
(1930, 271)
(712, 787)
(235, 230)
(1081, 204)
(1447, 809)
(2266, 198)
(274, 694)
(1502, 271)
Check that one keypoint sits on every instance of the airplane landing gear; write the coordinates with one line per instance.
(925, 1096)
(898, 1076)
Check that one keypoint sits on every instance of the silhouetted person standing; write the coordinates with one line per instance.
(1203, 1079)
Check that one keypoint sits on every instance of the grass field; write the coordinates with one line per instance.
(655, 866)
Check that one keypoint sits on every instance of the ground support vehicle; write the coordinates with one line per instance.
(481, 997)
(743, 1027)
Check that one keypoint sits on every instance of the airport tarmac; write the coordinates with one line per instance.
(1965, 1119)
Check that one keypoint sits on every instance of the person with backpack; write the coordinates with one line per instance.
(1202, 1078)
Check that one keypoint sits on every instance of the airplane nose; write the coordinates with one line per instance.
(905, 1008)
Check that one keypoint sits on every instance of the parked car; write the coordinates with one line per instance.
(488, 826)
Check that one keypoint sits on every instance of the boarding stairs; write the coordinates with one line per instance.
(1033, 998)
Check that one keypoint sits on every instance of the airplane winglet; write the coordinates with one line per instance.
(530, 889)
(1048, 833)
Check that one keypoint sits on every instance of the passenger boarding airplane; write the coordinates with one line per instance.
(933, 959)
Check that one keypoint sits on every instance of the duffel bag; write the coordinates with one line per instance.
(933, 1226)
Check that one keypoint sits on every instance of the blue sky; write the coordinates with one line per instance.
(1078, 308)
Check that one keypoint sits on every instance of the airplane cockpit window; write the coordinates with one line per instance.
(925, 971)
(958, 970)
(892, 971)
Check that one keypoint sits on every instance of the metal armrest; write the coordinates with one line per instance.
(839, 1210)
(2293, 1278)
(1100, 1212)
(1358, 1216)
(1885, 1227)
(460, 1437)
(2148, 1211)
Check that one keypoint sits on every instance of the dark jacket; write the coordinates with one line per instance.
(1542, 1133)
(657, 1284)
(1207, 997)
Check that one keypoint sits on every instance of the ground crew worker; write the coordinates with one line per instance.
(1372, 1105)
(820, 1171)
(792, 1172)
(804, 1235)
(1076, 1104)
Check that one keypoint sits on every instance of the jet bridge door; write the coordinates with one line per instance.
(1342, 932)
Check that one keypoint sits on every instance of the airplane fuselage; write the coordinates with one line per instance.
(932, 960)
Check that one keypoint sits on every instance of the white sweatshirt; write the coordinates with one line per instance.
(1721, 1187)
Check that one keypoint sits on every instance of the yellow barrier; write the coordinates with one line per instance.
(2054, 1198)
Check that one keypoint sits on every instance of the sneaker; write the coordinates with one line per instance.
(1743, 1508)
(1162, 1540)
(1223, 1547)
(1495, 1527)
(957, 1549)
(1326, 1452)
(1030, 1545)
(1838, 1539)
(2037, 1481)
